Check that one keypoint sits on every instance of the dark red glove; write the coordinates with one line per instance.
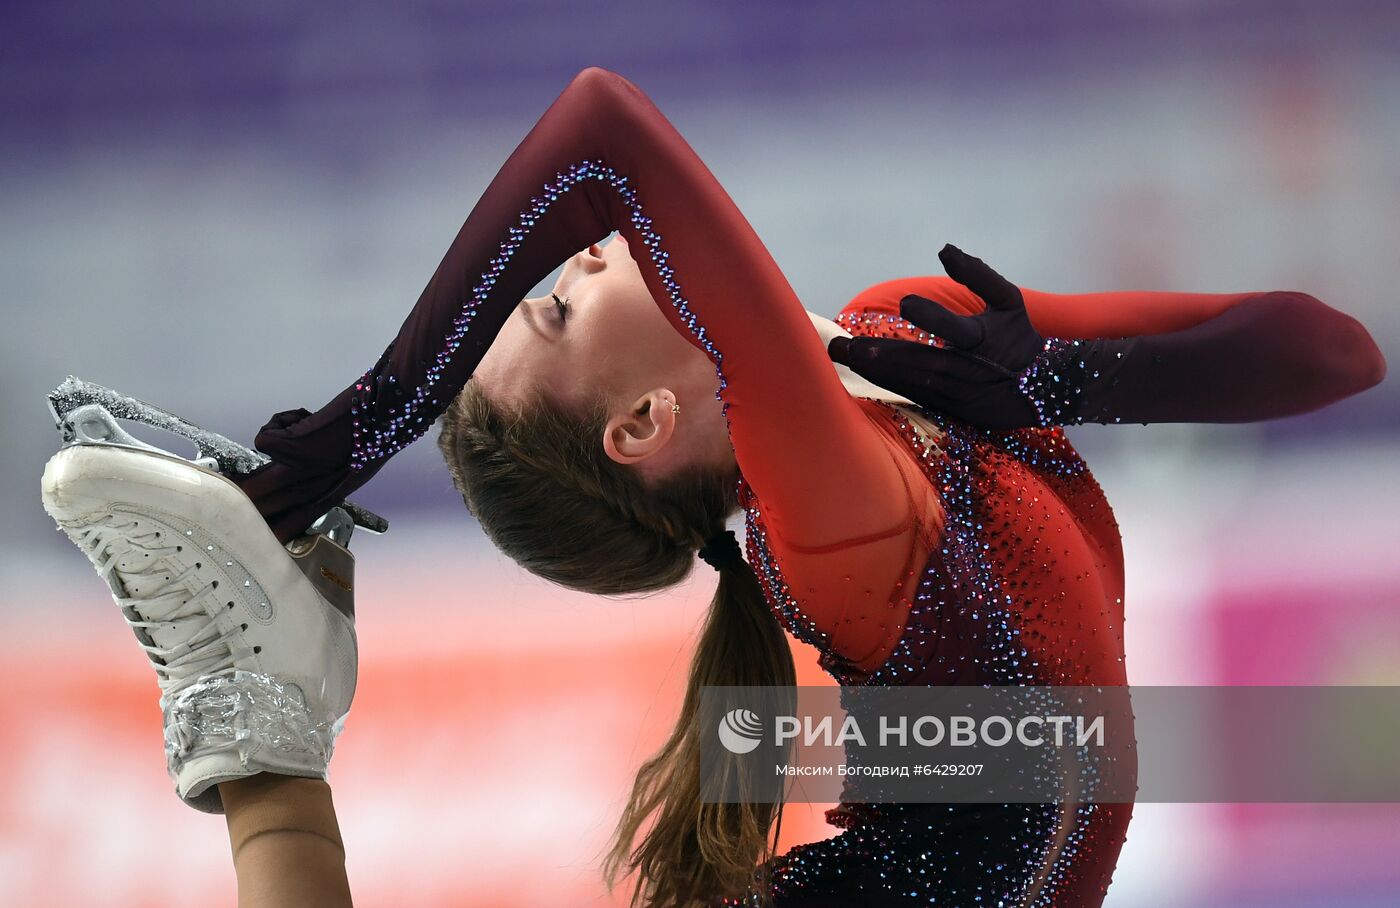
(1275, 354)
(976, 376)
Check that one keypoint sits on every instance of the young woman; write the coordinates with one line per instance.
(672, 379)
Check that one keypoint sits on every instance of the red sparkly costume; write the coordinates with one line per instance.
(981, 558)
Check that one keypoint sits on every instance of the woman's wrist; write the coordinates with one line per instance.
(1072, 382)
(1054, 381)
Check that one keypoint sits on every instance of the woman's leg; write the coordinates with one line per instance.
(254, 650)
(286, 843)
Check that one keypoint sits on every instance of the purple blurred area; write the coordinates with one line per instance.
(80, 73)
(69, 62)
(227, 209)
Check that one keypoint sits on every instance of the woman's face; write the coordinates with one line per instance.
(610, 336)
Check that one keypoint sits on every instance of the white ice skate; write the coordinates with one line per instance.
(253, 643)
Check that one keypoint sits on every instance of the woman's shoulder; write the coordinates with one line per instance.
(874, 312)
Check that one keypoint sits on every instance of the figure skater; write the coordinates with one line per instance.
(938, 530)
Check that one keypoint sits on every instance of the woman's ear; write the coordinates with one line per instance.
(643, 429)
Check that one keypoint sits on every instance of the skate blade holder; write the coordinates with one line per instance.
(88, 414)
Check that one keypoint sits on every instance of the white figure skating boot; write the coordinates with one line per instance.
(253, 643)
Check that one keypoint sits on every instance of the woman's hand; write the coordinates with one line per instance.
(977, 375)
(1271, 354)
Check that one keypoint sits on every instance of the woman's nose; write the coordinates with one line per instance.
(591, 260)
(531, 306)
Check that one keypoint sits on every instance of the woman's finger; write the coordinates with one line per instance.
(957, 330)
(901, 364)
(904, 370)
(979, 277)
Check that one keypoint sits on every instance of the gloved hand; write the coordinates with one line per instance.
(978, 376)
(1271, 354)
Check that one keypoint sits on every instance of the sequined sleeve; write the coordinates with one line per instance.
(1152, 356)
(603, 158)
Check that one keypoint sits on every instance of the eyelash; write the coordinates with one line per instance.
(562, 306)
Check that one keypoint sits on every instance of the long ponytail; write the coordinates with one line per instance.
(548, 496)
(695, 850)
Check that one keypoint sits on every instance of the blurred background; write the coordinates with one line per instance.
(227, 209)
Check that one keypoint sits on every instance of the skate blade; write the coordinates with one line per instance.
(89, 414)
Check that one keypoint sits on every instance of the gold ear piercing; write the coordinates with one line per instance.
(675, 407)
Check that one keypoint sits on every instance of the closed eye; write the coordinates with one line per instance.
(561, 306)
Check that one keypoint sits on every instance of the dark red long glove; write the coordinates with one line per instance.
(1277, 354)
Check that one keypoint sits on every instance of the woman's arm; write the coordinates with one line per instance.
(286, 844)
(603, 158)
(1275, 354)
(1115, 357)
(1118, 313)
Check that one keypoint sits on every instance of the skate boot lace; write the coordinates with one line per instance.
(205, 647)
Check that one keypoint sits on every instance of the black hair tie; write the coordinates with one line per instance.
(722, 550)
